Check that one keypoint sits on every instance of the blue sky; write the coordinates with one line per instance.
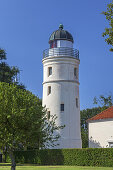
(24, 33)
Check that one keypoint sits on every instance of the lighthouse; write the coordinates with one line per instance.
(61, 87)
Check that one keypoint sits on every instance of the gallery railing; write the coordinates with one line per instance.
(61, 51)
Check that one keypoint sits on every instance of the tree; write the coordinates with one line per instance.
(103, 101)
(86, 114)
(23, 121)
(109, 31)
(8, 74)
(84, 135)
(2, 54)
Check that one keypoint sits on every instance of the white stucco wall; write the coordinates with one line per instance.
(64, 90)
(100, 133)
(62, 69)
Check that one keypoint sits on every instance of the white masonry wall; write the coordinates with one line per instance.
(64, 90)
(100, 133)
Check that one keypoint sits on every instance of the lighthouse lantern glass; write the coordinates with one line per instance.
(53, 44)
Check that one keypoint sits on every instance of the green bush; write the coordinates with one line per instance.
(79, 157)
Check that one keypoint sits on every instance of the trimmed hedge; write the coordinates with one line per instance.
(79, 157)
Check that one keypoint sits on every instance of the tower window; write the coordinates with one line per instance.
(48, 115)
(77, 102)
(49, 71)
(49, 90)
(62, 107)
(75, 72)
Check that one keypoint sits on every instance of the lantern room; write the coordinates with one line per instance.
(61, 38)
(61, 44)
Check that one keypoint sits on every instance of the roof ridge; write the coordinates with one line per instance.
(96, 117)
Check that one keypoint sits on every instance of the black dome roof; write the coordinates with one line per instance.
(61, 34)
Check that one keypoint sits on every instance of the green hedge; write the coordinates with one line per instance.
(79, 157)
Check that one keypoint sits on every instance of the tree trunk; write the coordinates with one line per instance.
(13, 163)
(5, 159)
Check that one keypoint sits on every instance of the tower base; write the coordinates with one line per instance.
(68, 143)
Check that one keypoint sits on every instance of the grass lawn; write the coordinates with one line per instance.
(55, 168)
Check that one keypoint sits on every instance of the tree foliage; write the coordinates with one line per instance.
(2, 54)
(109, 31)
(8, 74)
(103, 101)
(23, 121)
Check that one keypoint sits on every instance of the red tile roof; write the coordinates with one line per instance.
(106, 114)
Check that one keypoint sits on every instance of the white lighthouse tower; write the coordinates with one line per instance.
(61, 86)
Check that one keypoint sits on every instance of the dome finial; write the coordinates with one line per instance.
(61, 26)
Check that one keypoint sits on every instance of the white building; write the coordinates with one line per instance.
(100, 129)
(61, 86)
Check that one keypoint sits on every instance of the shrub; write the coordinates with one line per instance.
(79, 157)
